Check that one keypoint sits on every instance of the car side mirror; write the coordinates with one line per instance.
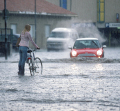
(69, 47)
(104, 46)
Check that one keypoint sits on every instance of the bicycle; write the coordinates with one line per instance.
(34, 63)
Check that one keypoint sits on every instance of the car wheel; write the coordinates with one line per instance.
(103, 55)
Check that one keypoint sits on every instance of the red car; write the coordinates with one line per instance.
(87, 47)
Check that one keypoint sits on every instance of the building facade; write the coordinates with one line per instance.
(103, 13)
(47, 17)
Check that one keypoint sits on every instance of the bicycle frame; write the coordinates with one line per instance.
(33, 62)
(32, 56)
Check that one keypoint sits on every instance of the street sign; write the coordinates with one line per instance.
(112, 25)
(7, 13)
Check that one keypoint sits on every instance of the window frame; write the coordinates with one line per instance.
(32, 30)
(14, 30)
(63, 4)
(47, 30)
(100, 11)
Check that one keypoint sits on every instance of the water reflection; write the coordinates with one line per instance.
(71, 109)
(65, 85)
(74, 67)
(99, 67)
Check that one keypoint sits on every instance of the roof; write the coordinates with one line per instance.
(28, 7)
(87, 39)
(63, 29)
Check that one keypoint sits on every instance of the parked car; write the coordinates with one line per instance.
(61, 38)
(87, 47)
(14, 41)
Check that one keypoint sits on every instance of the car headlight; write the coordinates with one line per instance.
(74, 53)
(99, 52)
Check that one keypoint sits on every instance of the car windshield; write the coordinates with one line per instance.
(81, 44)
(59, 35)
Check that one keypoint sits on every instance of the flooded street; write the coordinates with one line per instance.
(66, 84)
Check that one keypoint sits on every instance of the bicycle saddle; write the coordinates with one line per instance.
(29, 51)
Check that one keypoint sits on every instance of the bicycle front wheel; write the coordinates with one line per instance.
(31, 67)
(38, 65)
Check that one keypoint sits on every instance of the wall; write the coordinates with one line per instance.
(87, 9)
(22, 20)
(111, 8)
(56, 2)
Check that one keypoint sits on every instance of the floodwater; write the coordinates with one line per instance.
(66, 84)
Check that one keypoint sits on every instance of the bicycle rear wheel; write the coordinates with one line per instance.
(38, 65)
(31, 67)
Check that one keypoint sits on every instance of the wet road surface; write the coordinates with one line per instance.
(65, 85)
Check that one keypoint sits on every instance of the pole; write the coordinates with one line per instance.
(109, 39)
(35, 21)
(70, 5)
(5, 16)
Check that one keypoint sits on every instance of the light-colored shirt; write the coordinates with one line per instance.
(25, 38)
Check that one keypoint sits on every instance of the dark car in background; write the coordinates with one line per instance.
(5, 41)
(14, 40)
(11, 43)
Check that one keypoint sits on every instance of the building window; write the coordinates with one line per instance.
(100, 10)
(14, 28)
(63, 4)
(32, 31)
(47, 30)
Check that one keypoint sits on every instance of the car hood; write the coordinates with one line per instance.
(87, 50)
(58, 39)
